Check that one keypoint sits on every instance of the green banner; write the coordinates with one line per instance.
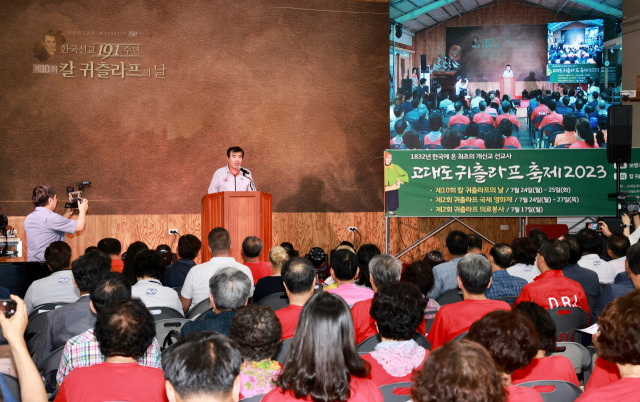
(552, 182)
(571, 72)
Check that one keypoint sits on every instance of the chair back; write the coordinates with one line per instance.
(461, 336)
(14, 386)
(45, 308)
(369, 344)
(421, 340)
(449, 297)
(48, 367)
(163, 327)
(460, 127)
(577, 353)
(432, 146)
(468, 147)
(36, 325)
(554, 391)
(162, 313)
(199, 309)
(398, 146)
(390, 396)
(254, 398)
(485, 127)
(563, 146)
(283, 349)
(567, 320)
(275, 300)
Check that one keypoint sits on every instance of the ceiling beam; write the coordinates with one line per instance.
(426, 9)
(600, 7)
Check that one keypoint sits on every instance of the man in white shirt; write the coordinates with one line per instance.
(475, 102)
(150, 269)
(57, 287)
(196, 284)
(232, 177)
(590, 244)
(461, 85)
(508, 73)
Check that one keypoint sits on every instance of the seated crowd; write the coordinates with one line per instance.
(367, 322)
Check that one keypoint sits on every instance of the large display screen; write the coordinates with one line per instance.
(574, 50)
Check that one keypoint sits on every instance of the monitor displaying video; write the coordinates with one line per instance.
(574, 50)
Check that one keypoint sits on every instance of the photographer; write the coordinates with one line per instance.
(43, 226)
(626, 224)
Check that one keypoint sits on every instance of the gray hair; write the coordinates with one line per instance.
(385, 269)
(229, 288)
(474, 271)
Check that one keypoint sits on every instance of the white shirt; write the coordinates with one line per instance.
(224, 180)
(526, 272)
(57, 287)
(507, 73)
(618, 264)
(153, 294)
(599, 266)
(196, 284)
(635, 236)
(475, 102)
(460, 87)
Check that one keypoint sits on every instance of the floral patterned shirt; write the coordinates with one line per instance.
(258, 378)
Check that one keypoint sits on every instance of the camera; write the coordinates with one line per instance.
(7, 307)
(593, 225)
(75, 197)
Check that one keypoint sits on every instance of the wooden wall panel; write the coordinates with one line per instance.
(303, 230)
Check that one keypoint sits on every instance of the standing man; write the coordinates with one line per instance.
(508, 73)
(43, 226)
(232, 177)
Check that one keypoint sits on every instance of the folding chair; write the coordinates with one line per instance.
(389, 395)
(199, 309)
(163, 327)
(276, 301)
(432, 146)
(254, 398)
(461, 336)
(163, 313)
(45, 308)
(567, 320)
(579, 356)
(283, 349)
(449, 297)
(554, 391)
(36, 325)
(49, 367)
(550, 132)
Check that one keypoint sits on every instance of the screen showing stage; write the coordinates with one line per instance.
(484, 51)
(574, 50)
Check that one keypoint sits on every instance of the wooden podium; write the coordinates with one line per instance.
(508, 86)
(242, 213)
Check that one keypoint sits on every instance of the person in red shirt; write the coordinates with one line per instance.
(551, 289)
(251, 249)
(112, 247)
(617, 342)
(474, 277)
(552, 117)
(505, 128)
(569, 136)
(459, 117)
(543, 367)
(472, 132)
(510, 338)
(299, 279)
(540, 110)
(483, 116)
(203, 366)
(586, 139)
(506, 115)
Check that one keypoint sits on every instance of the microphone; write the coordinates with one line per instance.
(245, 172)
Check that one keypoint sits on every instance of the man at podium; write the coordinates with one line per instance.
(508, 73)
(232, 177)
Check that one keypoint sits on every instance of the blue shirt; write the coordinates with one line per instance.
(609, 293)
(585, 277)
(504, 285)
(176, 273)
(444, 278)
(220, 322)
(42, 228)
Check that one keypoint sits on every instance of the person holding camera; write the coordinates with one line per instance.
(43, 226)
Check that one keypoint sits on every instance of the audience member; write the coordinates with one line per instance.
(459, 117)
(512, 342)
(503, 284)
(310, 371)
(450, 138)
(83, 350)
(524, 256)
(150, 268)
(203, 366)
(621, 288)
(124, 331)
(112, 248)
(475, 243)
(569, 136)
(506, 130)
(251, 249)
(344, 269)
(166, 254)
(411, 140)
(397, 309)
(365, 253)
(506, 115)
(617, 246)
(461, 372)
(435, 124)
(472, 133)
(273, 283)
(383, 270)
(586, 138)
(129, 267)
(474, 277)
(475, 102)
(74, 318)
(590, 246)
(256, 331)
(299, 280)
(420, 273)
(538, 236)
(445, 274)
(585, 277)
(482, 117)
(57, 287)
(551, 289)
(543, 367)
(399, 128)
(195, 287)
(552, 116)
(188, 249)
(229, 290)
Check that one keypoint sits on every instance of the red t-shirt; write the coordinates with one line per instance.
(540, 110)
(522, 394)
(288, 317)
(117, 265)
(583, 144)
(603, 374)
(381, 377)
(513, 141)
(551, 368)
(259, 270)
(362, 390)
(113, 382)
(472, 142)
(511, 117)
(551, 289)
(551, 118)
(458, 118)
(365, 326)
(621, 391)
(453, 319)
(484, 117)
